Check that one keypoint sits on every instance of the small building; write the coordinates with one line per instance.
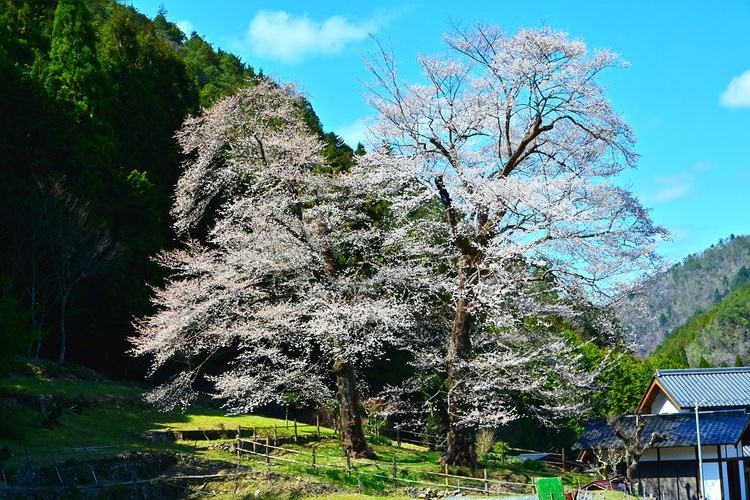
(663, 433)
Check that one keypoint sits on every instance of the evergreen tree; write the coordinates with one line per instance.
(72, 75)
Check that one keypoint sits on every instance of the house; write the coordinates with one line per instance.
(663, 435)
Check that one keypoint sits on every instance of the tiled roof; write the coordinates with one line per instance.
(711, 387)
(674, 430)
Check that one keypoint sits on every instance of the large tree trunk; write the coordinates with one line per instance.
(460, 449)
(350, 419)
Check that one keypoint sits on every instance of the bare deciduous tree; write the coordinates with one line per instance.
(28, 234)
(55, 248)
(632, 444)
(77, 250)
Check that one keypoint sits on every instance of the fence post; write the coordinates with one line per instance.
(275, 436)
(486, 484)
(445, 468)
(348, 462)
(239, 432)
(394, 470)
(237, 473)
(267, 453)
(313, 457)
(398, 436)
(317, 423)
(295, 430)
(91, 467)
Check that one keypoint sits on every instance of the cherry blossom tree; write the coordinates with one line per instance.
(288, 281)
(513, 141)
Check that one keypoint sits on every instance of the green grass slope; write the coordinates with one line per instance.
(69, 430)
(45, 408)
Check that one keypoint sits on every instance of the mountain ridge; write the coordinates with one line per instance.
(670, 299)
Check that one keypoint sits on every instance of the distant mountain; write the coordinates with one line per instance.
(717, 337)
(693, 287)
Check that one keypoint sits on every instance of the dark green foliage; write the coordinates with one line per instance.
(742, 277)
(72, 76)
(215, 73)
(96, 92)
(622, 384)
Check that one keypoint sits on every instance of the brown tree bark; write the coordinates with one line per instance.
(460, 450)
(350, 419)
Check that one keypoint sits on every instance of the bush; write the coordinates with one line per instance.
(533, 465)
(379, 440)
(483, 441)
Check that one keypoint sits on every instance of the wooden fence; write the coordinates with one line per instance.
(269, 453)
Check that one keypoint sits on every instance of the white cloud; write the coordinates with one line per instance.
(280, 35)
(737, 93)
(671, 193)
(186, 27)
(678, 185)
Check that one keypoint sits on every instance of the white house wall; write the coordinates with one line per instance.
(683, 453)
(686, 453)
(649, 455)
(709, 452)
(662, 405)
(677, 453)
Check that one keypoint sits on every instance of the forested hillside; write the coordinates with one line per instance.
(93, 94)
(717, 337)
(691, 287)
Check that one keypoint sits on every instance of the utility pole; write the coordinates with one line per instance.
(700, 454)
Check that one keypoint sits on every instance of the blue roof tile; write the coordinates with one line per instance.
(713, 388)
(674, 430)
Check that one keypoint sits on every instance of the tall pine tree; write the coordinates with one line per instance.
(72, 75)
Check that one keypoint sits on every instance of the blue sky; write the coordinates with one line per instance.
(686, 92)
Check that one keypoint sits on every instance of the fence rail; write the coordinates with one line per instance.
(483, 484)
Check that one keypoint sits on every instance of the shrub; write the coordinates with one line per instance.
(483, 441)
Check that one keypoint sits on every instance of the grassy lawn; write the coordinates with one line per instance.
(102, 418)
(207, 418)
